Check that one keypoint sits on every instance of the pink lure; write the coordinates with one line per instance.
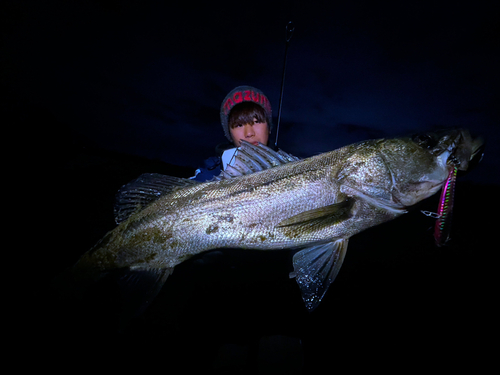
(443, 222)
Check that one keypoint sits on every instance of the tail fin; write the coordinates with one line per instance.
(71, 284)
(133, 289)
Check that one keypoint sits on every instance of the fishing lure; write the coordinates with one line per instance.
(445, 209)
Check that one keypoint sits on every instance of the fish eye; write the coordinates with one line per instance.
(453, 160)
(424, 140)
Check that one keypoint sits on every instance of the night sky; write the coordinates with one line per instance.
(147, 78)
(86, 82)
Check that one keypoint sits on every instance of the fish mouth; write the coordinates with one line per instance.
(464, 150)
(453, 147)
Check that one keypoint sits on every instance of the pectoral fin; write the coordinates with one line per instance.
(316, 267)
(319, 218)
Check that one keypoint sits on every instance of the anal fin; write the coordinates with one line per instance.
(138, 288)
(316, 267)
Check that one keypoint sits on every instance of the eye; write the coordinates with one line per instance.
(424, 140)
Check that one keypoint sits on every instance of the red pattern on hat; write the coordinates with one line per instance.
(243, 94)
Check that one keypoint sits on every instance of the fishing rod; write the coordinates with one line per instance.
(290, 27)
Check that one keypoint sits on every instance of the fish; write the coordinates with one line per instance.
(272, 201)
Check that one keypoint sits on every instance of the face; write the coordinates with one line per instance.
(253, 132)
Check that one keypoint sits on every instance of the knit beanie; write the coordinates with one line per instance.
(242, 94)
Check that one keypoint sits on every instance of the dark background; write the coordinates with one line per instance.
(95, 93)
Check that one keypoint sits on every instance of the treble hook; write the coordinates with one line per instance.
(434, 215)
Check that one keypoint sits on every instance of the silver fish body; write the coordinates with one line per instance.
(316, 204)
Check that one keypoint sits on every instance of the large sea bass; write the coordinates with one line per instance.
(315, 204)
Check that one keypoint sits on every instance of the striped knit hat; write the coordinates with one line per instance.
(242, 94)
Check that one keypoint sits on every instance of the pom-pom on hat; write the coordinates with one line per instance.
(242, 94)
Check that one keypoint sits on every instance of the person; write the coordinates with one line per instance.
(245, 114)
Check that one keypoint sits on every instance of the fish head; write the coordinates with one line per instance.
(419, 165)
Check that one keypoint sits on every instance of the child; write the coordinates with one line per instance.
(245, 115)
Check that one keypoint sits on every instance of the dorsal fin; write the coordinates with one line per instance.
(251, 158)
(148, 187)
(145, 189)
